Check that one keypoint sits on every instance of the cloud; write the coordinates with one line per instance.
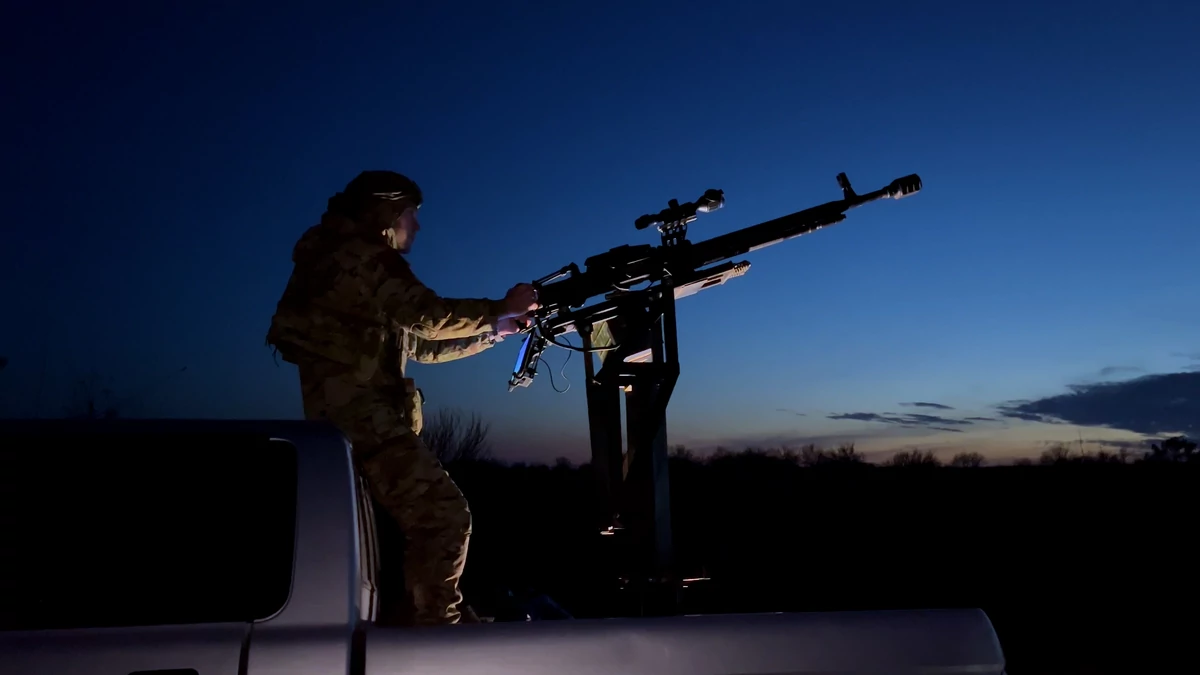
(923, 404)
(1189, 356)
(776, 440)
(1022, 410)
(1151, 405)
(1111, 371)
(860, 416)
(1126, 445)
(905, 421)
(982, 419)
(934, 419)
(797, 413)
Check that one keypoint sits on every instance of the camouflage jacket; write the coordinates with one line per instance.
(354, 300)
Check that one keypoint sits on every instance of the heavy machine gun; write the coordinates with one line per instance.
(631, 328)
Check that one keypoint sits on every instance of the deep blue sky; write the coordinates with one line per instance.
(161, 162)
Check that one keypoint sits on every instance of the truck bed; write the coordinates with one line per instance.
(193, 547)
(946, 642)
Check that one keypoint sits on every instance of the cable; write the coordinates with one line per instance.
(562, 371)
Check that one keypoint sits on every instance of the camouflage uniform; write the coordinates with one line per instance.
(352, 315)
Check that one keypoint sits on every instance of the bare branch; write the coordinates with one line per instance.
(92, 397)
(914, 458)
(968, 460)
(454, 440)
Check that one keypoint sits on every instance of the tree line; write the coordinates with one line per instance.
(459, 438)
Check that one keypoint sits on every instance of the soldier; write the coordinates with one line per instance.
(351, 316)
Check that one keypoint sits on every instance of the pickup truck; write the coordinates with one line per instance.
(199, 547)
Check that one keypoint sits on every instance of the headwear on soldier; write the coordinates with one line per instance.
(369, 187)
(387, 185)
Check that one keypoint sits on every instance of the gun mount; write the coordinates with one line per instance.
(632, 331)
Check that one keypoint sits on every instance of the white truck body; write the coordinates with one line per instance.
(198, 547)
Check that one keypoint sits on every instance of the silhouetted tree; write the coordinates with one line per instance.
(1106, 457)
(3, 404)
(719, 453)
(455, 441)
(914, 458)
(1060, 453)
(681, 452)
(1174, 449)
(844, 455)
(92, 397)
(970, 460)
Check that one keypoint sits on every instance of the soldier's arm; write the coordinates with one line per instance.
(393, 291)
(441, 351)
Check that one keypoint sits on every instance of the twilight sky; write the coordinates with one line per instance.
(160, 163)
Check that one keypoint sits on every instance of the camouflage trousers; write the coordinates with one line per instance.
(383, 421)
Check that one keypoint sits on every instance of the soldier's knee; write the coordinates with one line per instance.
(459, 516)
(450, 506)
(409, 482)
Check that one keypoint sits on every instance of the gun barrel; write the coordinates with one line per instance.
(746, 240)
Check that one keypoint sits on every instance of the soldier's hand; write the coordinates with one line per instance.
(520, 300)
(511, 325)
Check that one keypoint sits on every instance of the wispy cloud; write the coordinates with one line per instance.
(1113, 371)
(1023, 410)
(774, 440)
(789, 411)
(1190, 356)
(925, 404)
(905, 420)
(1138, 446)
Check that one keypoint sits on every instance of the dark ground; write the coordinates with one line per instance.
(1082, 567)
